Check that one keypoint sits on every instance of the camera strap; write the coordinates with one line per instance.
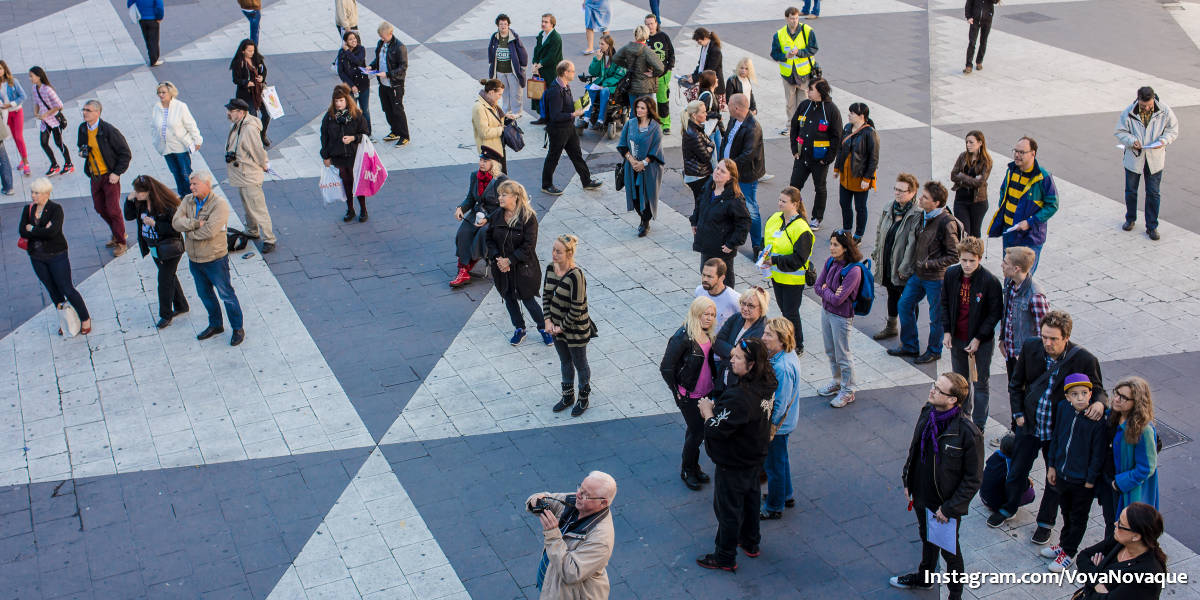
(237, 141)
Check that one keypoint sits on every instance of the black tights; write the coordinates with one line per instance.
(57, 131)
(346, 172)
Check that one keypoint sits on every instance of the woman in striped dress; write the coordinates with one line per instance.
(564, 302)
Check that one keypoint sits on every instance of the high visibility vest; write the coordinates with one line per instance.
(781, 242)
(802, 65)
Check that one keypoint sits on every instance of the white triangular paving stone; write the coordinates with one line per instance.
(526, 17)
(715, 12)
(1188, 17)
(88, 35)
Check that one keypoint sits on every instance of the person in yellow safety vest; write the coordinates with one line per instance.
(789, 246)
(793, 47)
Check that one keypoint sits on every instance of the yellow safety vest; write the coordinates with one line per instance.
(802, 65)
(781, 242)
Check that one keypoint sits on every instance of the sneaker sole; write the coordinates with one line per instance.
(732, 569)
(828, 394)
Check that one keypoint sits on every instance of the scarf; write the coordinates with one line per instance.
(934, 427)
(933, 213)
(482, 179)
(342, 116)
(898, 209)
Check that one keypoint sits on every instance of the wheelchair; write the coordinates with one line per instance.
(615, 114)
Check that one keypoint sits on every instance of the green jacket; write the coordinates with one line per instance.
(547, 53)
(605, 76)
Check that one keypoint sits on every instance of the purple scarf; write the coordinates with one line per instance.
(934, 427)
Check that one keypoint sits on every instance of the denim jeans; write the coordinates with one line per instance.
(572, 359)
(180, 164)
(854, 210)
(599, 99)
(750, 191)
(215, 274)
(254, 16)
(654, 9)
(1152, 199)
(779, 474)
(816, 7)
(6, 177)
(514, 311)
(915, 289)
(835, 332)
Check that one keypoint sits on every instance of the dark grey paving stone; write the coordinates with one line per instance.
(71, 84)
(15, 13)
(185, 21)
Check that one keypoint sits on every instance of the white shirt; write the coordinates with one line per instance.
(726, 301)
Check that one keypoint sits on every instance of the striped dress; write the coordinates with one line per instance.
(564, 300)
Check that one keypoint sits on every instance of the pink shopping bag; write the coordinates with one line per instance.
(369, 173)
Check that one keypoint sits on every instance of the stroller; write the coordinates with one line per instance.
(615, 114)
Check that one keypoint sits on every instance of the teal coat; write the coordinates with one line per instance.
(605, 76)
(1136, 468)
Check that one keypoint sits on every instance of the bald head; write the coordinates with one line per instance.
(739, 106)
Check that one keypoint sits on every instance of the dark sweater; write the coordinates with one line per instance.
(348, 64)
(1146, 562)
(736, 435)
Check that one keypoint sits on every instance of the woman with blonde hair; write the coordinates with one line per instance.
(564, 302)
(41, 227)
(747, 323)
(1135, 450)
(742, 82)
(175, 133)
(780, 340)
(512, 250)
(689, 368)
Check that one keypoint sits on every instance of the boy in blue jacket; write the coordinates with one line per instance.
(995, 473)
(1077, 452)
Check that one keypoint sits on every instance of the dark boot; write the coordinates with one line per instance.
(568, 397)
(690, 479)
(362, 209)
(582, 405)
(349, 216)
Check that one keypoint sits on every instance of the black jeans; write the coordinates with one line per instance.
(563, 137)
(694, 435)
(728, 265)
(789, 298)
(1075, 500)
(854, 214)
(170, 294)
(1107, 500)
(150, 34)
(1026, 452)
(55, 274)
(391, 100)
(736, 500)
(514, 311)
(45, 138)
(981, 29)
(971, 214)
(572, 359)
(820, 176)
(979, 389)
(930, 551)
(893, 293)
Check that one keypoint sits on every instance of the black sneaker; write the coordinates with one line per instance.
(538, 122)
(402, 142)
(928, 357)
(770, 515)
(594, 184)
(996, 519)
(911, 581)
(552, 191)
(709, 561)
(751, 550)
(1041, 536)
(901, 352)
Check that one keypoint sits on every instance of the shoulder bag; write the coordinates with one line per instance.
(23, 242)
(512, 136)
(62, 119)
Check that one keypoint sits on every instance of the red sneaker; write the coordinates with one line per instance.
(464, 277)
(68, 169)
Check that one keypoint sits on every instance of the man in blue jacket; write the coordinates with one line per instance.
(150, 15)
(560, 128)
(1028, 199)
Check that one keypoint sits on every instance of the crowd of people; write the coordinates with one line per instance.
(732, 370)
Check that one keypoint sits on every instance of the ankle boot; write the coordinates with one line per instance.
(349, 215)
(568, 397)
(690, 479)
(463, 277)
(582, 405)
(362, 209)
(889, 330)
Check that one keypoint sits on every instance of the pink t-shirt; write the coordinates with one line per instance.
(704, 384)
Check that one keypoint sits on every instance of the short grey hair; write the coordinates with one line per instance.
(205, 176)
(608, 485)
(41, 185)
(384, 27)
(641, 33)
(94, 103)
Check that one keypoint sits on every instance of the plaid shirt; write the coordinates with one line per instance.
(1042, 426)
(1037, 305)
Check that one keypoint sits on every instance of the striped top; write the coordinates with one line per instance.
(1018, 184)
(564, 300)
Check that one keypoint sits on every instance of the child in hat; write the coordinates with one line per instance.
(1077, 452)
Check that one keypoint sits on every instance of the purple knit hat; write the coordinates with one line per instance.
(1075, 379)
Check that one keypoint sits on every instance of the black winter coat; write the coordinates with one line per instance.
(958, 469)
(980, 10)
(697, 151)
(682, 362)
(332, 130)
(863, 149)
(727, 337)
(162, 225)
(488, 203)
(747, 150)
(720, 220)
(46, 239)
(985, 308)
(1026, 384)
(1110, 549)
(736, 436)
(113, 148)
(822, 123)
(348, 64)
(242, 76)
(518, 244)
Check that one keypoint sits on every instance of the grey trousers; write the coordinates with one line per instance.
(514, 93)
(835, 331)
(257, 217)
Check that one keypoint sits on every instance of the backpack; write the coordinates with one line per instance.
(865, 296)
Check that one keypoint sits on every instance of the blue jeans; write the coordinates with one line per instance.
(654, 9)
(599, 99)
(779, 474)
(180, 164)
(6, 180)
(215, 274)
(915, 289)
(815, 5)
(254, 16)
(364, 103)
(750, 191)
(1152, 199)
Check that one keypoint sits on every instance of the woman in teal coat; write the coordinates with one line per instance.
(605, 76)
(1135, 450)
(641, 147)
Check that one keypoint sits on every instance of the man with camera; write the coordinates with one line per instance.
(105, 156)
(247, 161)
(579, 539)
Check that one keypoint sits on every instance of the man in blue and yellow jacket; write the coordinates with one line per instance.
(1028, 199)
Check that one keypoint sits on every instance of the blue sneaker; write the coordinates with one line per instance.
(546, 337)
(518, 335)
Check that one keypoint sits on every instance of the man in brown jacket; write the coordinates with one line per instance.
(579, 539)
(201, 218)
(935, 247)
(247, 160)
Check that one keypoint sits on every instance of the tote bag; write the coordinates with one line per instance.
(68, 320)
(331, 186)
(271, 102)
(369, 173)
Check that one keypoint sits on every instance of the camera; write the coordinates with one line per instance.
(231, 158)
(84, 151)
(540, 506)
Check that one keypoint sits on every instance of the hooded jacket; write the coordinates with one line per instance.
(956, 467)
(637, 58)
(516, 54)
(894, 261)
(736, 436)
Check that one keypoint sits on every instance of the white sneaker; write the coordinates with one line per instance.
(843, 398)
(815, 225)
(1060, 564)
(829, 390)
(1051, 552)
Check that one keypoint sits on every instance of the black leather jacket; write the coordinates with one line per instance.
(958, 469)
(682, 362)
(397, 61)
(697, 151)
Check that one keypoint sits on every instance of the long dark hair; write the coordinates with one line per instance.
(1147, 522)
(257, 59)
(761, 370)
(863, 111)
(982, 157)
(846, 241)
(41, 75)
(822, 87)
(651, 109)
(704, 34)
(160, 199)
(342, 90)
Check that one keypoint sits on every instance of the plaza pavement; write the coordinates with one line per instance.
(376, 435)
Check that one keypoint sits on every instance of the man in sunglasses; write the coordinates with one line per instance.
(579, 538)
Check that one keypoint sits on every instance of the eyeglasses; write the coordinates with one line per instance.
(582, 494)
(900, 190)
(86, 110)
(1122, 397)
(1121, 527)
(935, 388)
(1019, 152)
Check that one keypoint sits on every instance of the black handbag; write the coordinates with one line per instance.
(620, 175)
(512, 137)
(235, 240)
(169, 248)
